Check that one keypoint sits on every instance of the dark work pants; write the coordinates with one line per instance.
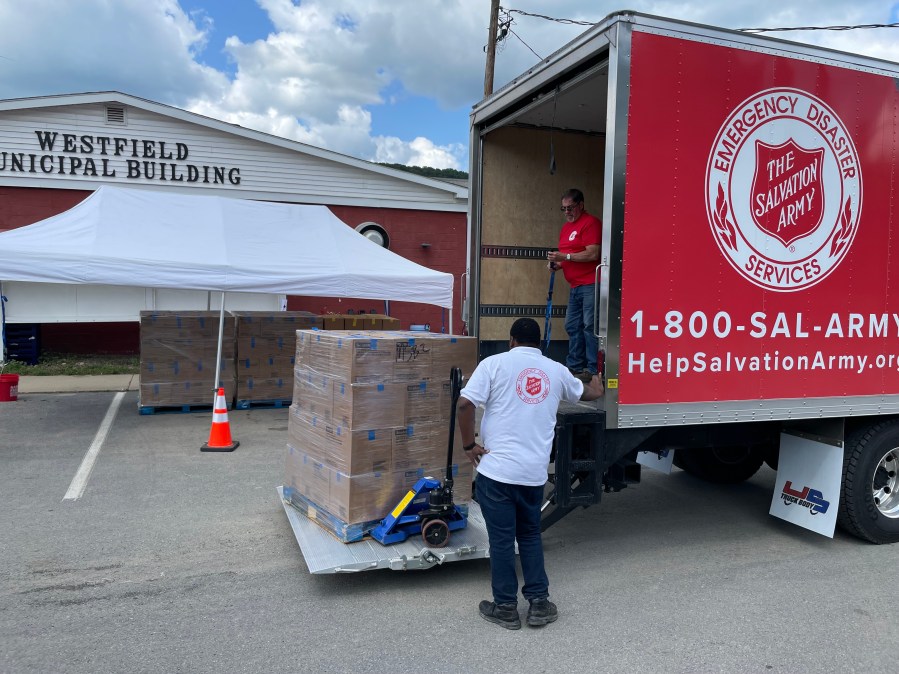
(512, 511)
(583, 345)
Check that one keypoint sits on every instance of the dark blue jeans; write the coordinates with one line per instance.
(582, 343)
(512, 511)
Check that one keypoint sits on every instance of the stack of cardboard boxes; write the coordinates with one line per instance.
(178, 357)
(357, 322)
(370, 416)
(266, 349)
(178, 350)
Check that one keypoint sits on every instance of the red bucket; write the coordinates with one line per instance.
(9, 387)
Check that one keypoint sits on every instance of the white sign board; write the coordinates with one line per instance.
(807, 491)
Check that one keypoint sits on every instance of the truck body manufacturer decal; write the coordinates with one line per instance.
(805, 497)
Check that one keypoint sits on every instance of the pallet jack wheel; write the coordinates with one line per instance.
(435, 533)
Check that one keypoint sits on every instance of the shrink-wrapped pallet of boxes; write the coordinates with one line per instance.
(178, 352)
(266, 350)
(370, 416)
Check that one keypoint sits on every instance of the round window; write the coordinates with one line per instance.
(374, 232)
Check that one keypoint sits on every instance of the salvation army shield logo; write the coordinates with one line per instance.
(783, 189)
(532, 385)
(787, 193)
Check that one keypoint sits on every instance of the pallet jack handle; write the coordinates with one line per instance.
(455, 389)
(548, 325)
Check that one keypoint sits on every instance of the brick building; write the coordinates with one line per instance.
(56, 150)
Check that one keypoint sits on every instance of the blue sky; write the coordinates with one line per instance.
(383, 81)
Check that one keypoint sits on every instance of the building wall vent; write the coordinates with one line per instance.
(115, 114)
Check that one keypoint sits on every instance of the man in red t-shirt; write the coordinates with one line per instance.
(578, 257)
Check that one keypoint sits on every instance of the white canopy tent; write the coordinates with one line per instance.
(133, 237)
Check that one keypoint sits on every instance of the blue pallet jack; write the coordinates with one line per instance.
(428, 508)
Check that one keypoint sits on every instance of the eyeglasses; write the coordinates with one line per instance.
(567, 209)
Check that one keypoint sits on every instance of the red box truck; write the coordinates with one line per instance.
(747, 298)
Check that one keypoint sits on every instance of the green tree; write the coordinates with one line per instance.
(428, 171)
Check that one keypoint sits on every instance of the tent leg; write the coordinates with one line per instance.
(2, 327)
(218, 356)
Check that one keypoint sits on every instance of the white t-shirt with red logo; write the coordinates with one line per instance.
(520, 392)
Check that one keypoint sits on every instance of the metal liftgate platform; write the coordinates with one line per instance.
(325, 554)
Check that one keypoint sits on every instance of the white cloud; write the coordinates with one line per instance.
(136, 46)
(328, 63)
(419, 152)
(329, 69)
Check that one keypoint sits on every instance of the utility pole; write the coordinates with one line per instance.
(491, 48)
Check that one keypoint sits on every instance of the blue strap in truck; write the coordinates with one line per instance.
(548, 325)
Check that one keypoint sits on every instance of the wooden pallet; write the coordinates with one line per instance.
(275, 404)
(174, 409)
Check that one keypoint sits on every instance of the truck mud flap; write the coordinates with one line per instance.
(325, 554)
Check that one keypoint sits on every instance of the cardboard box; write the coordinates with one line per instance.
(274, 323)
(249, 388)
(412, 357)
(360, 322)
(356, 358)
(363, 498)
(271, 365)
(382, 322)
(424, 402)
(265, 352)
(424, 444)
(178, 393)
(178, 357)
(341, 448)
(265, 345)
(332, 322)
(364, 406)
(198, 325)
(449, 351)
(371, 497)
(313, 391)
(309, 477)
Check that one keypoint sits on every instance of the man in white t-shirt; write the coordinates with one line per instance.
(520, 391)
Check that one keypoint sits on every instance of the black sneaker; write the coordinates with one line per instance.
(504, 615)
(542, 612)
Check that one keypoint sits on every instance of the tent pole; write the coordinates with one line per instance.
(2, 327)
(218, 357)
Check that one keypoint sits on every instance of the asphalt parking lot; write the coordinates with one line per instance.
(175, 560)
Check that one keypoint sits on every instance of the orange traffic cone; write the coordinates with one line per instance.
(220, 435)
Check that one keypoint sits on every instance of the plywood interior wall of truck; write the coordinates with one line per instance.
(520, 209)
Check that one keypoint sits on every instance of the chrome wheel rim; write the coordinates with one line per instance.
(885, 485)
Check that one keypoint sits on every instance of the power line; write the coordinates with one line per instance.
(743, 30)
(505, 21)
(525, 44)
(549, 18)
(772, 30)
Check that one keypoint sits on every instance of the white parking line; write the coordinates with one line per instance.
(79, 482)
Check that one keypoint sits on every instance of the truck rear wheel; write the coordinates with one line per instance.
(869, 497)
(724, 465)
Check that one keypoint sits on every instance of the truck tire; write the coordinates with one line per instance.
(869, 496)
(723, 465)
